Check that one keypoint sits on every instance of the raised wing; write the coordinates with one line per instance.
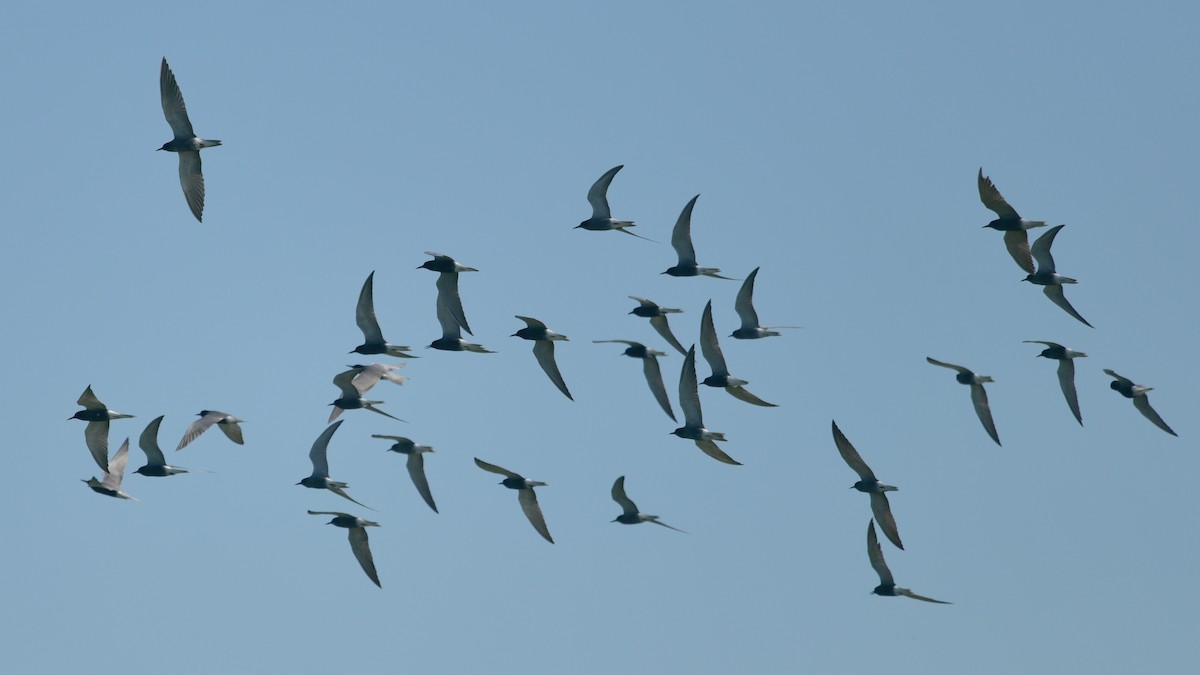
(875, 554)
(619, 496)
(681, 236)
(851, 457)
(1041, 249)
(172, 103)
(991, 198)
(318, 453)
(532, 323)
(496, 469)
(709, 345)
(116, 468)
(88, 400)
(148, 442)
(689, 395)
(598, 194)
(364, 313)
(951, 366)
(744, 303)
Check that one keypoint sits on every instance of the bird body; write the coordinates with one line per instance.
(319, 479)
(359, 542)
(543, 350)
(867, 483)
(602, 219)
(630, 515)
(156, 464)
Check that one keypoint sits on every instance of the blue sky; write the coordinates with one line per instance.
(836, 147)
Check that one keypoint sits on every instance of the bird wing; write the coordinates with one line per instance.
(1041, 249)
(330, 513)
(496, 469)
(386, 371)
(371, 406)
(875, 554)
(883, 513)
(598, 194)
(529, 504)
(344, 381)
(544, 351)
(1123, 380)
(392, 438)
(342, 493)
(116, 468)
(364, 313)
(88, 400)
(659, 323)
(709, 346)
(619, 496)
(532, 323)
(742, 394)
(148, 442)
(964, 371)
(908, 593)
(95, 434)
(744, 303)
(1017, 243)
(191, 179)
(991, 198)
(631, 343)
(416, 471)
(319, 452)
(231, 429)
(1066, 380)
(979, 398)
(851, 456)
(198, 427)
(366, 377)
(654, 378)
(1056, 295)
(709, 447)
(1044, 342)
(447, 287)
(1142, 403)
(362, 550)
(172, 103)
(450, 327)
(689, 394)
(681, 236)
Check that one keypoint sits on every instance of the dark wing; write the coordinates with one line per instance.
(619, 496)
(659, 323)
(709, 346)
(654, 378)
(330, 513)
(1041, 249)
(450, 327)
(906, 592)
(1142, 403)
(951, 366)
(496, 469)
(172, 103)
(598, 194)
(148, 442)
(1056, 295)
(1017, 243)
(883, 513)
(681, 236)
(319, 452)
(88, 400)
(532, 323)
(1066, 380)
(1123, 380)
(416, 471)
(744, 303)
(191, 179)
(362, 550)
(95, 434)
(851, 457)
(875, 554)
(709, 447)
(742, 394)
(364, 312)
(544, 351)
(198, 427)
(991, 198)
(529, 504)
(447, 286)
(979, 398)
(342, 493)
(344, 381)
(689, 394)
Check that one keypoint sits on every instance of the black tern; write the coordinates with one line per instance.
(1012, 225)
(543, 348)
(978, 395)
(601, 216)
(525, 495)
(744, 306)
(185, 143)
(97, 415)
(1050, 281)
(156, 464)
(658, 319)
(693, 420)
(1141, 401)
(452, 339)
(416, 464)
(364, 315)
(114, 473)
(650, 369)
(353, 385)
(716, 360)
(319, 480)
(227, 423)
(869, 484)
(358, 539)
(1066, 372)
(447, 284)
(630, 514)
(681, 240)
(887, 585)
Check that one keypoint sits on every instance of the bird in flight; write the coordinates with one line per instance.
(1012, 225)
(186, 144)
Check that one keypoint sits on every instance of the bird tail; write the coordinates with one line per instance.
(208, 143)
(717, 435)
(534, 483)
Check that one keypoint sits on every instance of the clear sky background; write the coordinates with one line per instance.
(836, 147)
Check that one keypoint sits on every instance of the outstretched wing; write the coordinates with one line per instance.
(991, 198)
(598, 194)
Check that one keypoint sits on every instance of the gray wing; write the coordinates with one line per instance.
(906, 592)
(416, 471)
(744, 304)
(344, 381)
(450, 328)
(198, 427)
(598, 194)
(689, 394)
(148, 442)
(362, 550)
(232, 431)
(1041, 249)
(1066, 380)
(742, 394)
(1142, 403)
(365, 378)
(654, 378)
(681, 236)
(192, 181)
(342, 493)
(709, 447)
(979, 398)
(883, 513)
(447, 287)
(116, 468)
(496, 469)
(529, 504)
(88, 400)
(95, 434)
(709, 345)
(172, 103)
(1123, 380)
(851, 457)
(1017, 243)
(532, 323)
(659, 323)
(320, 447)
(331, 513)
(619, 496)
(991, 198)
(380, 371)
(364, 313)
(1056, 295)
(631, 343)
(951, 366)
(1044, 342)
(875, 554)
(544, 351)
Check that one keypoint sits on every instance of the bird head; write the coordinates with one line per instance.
(1028, 277)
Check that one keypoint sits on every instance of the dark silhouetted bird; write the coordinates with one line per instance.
(318, 455)
(744, 306)
(97, 416)
(869, 484)
(681, 240)
(364, 316)
(978, 395)
(1141, 401)
(114, 473)
(447, 285)
(416, 464)
(650, 369)
(601, 216)
(716, 360)
(185, 143)
(1012, 225)
(543, 348)
(525, 495)
(630, 514)
(1066, 372)
(887, 585)
(693, 422)
(1051, 281)
(359, 543)
(156, 464)
(658, 319)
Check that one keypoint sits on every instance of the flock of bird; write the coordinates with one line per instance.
(354, 384)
